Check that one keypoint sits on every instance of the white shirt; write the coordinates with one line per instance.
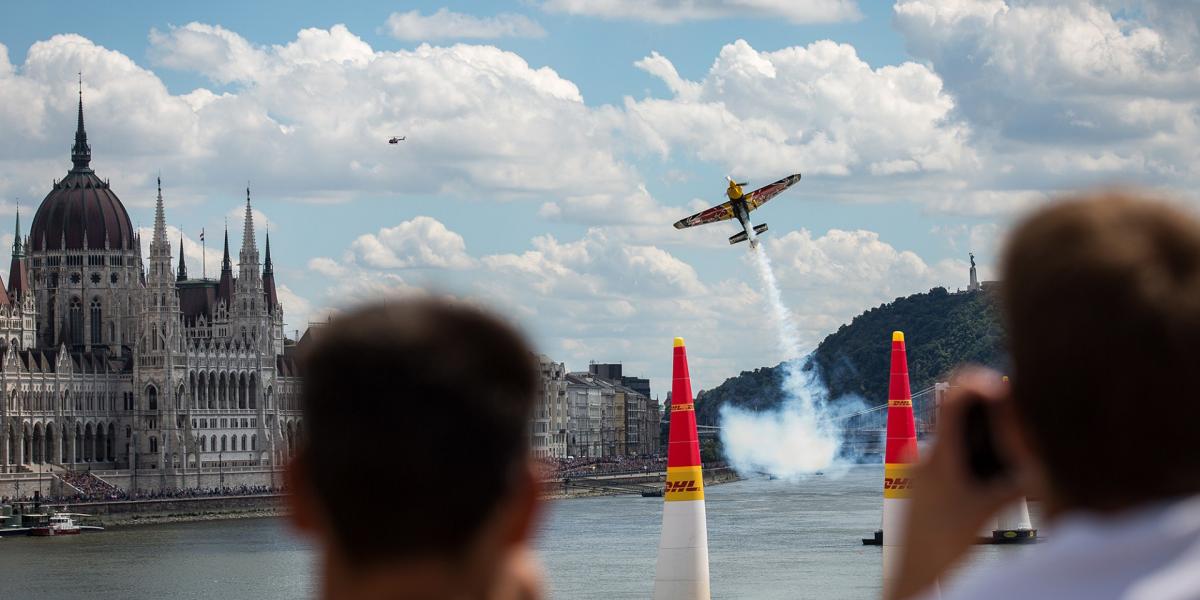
(1150, 553)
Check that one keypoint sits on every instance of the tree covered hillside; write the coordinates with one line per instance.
(941, 330)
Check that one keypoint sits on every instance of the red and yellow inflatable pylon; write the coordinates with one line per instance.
(899, 458)
(682, 570)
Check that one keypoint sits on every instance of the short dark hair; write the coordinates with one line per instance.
(1101, 296)
(418, 409)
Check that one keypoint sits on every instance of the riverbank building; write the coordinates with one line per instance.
(131, 369)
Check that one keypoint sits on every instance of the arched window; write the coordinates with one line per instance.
(76, 321)
(97, 323)
(233, 443)
(203, 444)
(244, 443)
(152, 396)
(154, 444)
(213, 443)
(223, 444)
(254, 442)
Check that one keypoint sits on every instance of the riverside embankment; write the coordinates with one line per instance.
(614, 484)
(123, 513)
(119, 513)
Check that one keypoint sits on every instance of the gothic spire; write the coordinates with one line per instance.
(81, 152)
(268, 277)
(17, 250)
(160, 220)
(18, 276)
(267, 269)
(225, 285)
(182, 276)
(226, 264)
(248, 228)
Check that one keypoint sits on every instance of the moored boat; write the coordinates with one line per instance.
(59, 524)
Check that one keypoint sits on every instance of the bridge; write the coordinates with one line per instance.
(864, 430)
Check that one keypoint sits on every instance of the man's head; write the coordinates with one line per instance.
(416, 419)
(1101, 298)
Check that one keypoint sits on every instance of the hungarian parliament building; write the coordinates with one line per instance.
(132, 371)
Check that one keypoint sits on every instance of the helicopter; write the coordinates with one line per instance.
(396, 140)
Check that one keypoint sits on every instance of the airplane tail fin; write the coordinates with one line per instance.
(741, 235)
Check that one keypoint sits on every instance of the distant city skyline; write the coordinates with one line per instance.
(550, 145)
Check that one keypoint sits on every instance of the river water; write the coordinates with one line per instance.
(767, 539)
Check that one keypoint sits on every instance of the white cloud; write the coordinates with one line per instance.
(446, 24)
(818, 109)
(674, 11)
(1068, 93)
(419, 242)
(308, 119)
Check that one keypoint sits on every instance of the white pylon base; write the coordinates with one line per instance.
(682, 571)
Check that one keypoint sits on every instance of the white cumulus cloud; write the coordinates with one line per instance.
(419, 242)
(677, 11)
(446, 24)
(818, 109)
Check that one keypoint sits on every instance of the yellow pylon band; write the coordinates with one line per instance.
(684, 483)
(897, 480)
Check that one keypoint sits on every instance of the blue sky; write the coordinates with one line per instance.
(552, 143)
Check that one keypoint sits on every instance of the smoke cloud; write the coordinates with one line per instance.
(801, 437)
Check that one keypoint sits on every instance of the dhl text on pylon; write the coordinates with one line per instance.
(682, 570)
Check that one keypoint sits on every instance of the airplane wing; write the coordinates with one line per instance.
(720, 212)
(760, 196)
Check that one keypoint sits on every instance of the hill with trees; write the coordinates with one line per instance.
(942, 330)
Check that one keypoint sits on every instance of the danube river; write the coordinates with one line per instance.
(767, 539)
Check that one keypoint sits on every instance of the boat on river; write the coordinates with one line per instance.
(59, 524)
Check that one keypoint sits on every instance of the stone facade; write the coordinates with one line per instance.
(608, 419)
(111, 362)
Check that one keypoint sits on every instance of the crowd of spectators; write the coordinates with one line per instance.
(94, 489)
(559, 468)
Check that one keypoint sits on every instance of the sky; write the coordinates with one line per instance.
(552, 143)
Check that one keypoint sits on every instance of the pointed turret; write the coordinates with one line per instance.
(225, 287)
(182, 273)
(268, 277)
(81, 152)
(141, 262)
(18, 275)
(160, 275)
(248, 257)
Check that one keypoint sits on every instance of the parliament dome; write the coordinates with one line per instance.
(81, 211)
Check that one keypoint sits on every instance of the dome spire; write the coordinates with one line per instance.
(81, 152)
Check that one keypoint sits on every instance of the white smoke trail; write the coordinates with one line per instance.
(798, 438)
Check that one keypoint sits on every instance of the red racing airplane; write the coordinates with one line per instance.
(740, 205)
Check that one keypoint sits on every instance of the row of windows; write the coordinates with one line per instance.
(75, 278)
(228, 443)
(223, 423)
(76, 260)
(39, 400)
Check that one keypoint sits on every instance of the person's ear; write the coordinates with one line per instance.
(301, 499)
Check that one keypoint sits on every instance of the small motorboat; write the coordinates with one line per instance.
(653, 493)
(59, 524)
